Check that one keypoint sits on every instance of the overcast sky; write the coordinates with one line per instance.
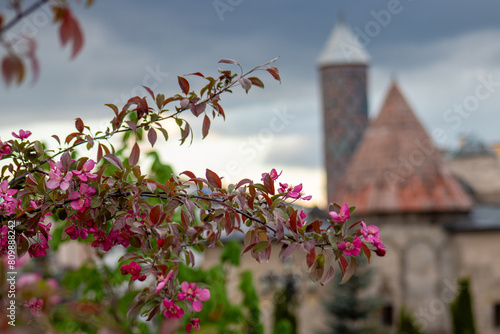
(442, 53)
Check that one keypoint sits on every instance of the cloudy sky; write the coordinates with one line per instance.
(444, 54)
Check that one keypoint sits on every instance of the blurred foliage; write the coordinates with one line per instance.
(462, 317)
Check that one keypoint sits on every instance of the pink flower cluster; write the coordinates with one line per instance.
(370, 233)
(8, 202)
(35, 305)
(194, 294)
(342, 215)
(4, 149)
(134, 269)
(22, 134)
(40, 245)
(290, 191)
(189, 293)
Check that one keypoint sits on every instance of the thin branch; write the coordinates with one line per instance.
(21, 15)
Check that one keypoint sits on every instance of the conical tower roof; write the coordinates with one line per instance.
(398, 169)
(343, 48)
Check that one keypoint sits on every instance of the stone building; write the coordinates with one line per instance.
(430, 210)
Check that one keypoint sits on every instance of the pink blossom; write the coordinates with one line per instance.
(194, 294)
(57, 178)
(82, 200)
(22, 134)
(351, 248)
(343, 214)
(39, 248)
(273, 174)
(172, 311)
(74, 232)
(123, 237)
(134, 269)
(371, 233)
(4, 149)
(162, 281)
(35, 305)
(6, 193)
(194, 324)
(302, 216)
(294, 192)
(380, 251)
(84, 174)
(103, 240)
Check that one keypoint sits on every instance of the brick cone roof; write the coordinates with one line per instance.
(398, 169)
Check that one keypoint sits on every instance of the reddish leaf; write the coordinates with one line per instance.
(274, 72)
(256, 82)
(366, 250)
(206, 126)
(310, 257)
(293, 220)
(350, 270)
(134, 155)
(213, 179)
(268, 200)
(99, 153)
(196, 73)
(189, 174)
(150, 92)
(154, 214)
(112, 159)
(12, 69)
(56, 137)
(112, 106)
(242, 182)
(185, 219)
(90, 140)
(79, 125)
(269, 184)
(197, 109)
(343, 264)
(184, 84)
(65, 161)
(228, 61)
(220, 111)
(329, 275)
(70, 31)
(185, 133)
(152, 136)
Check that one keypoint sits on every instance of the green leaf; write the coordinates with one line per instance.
(260, 246)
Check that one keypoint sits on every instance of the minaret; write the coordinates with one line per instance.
(343, 67)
